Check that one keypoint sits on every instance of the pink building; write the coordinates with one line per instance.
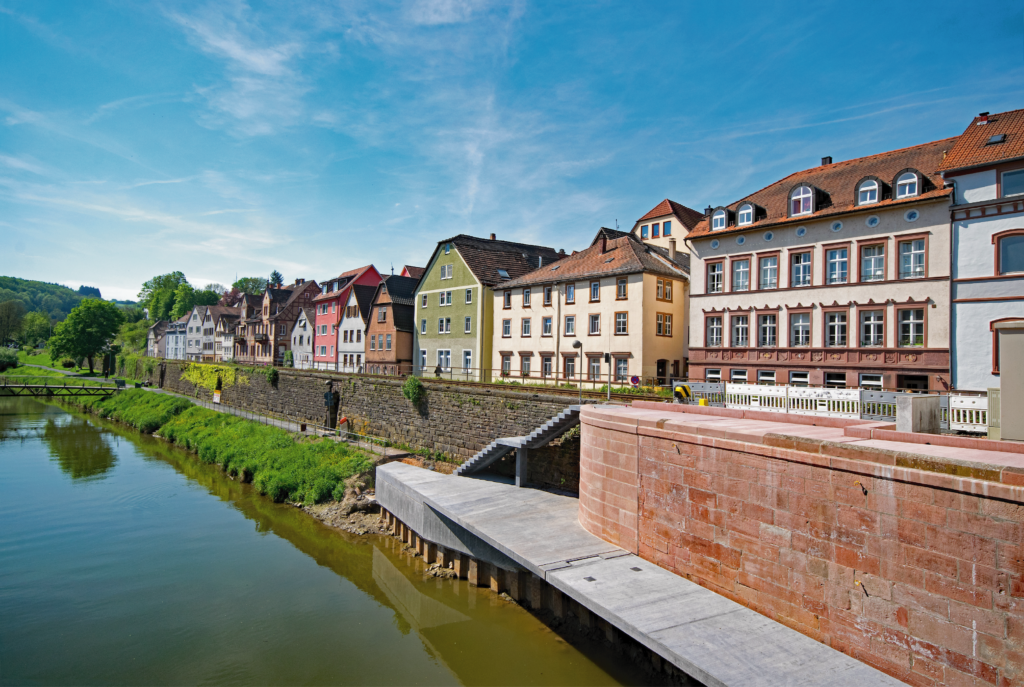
(329, 308)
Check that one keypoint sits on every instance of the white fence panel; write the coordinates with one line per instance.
(968, 413)
(878, 405)
(825, 402)
(755, 397)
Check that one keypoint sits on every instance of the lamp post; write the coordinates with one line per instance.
(579, 344)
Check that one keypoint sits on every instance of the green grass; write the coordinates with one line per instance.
(44, 360)
(27, 375)
(279, 464)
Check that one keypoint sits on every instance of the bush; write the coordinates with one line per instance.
(289, 359)
(67, 362)
(414, 390)
(8, 358)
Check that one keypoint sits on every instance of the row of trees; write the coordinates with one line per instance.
(170, 296)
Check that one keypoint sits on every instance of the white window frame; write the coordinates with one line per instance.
(768, 273)
(546, 326)
(745, 215)
(716, 277)
(506, 329)
(838, 268)
(468, 325)
(526, 298)
(713, 333)
(444, 359)
(525, 327)
(767, 331)
(741, 275)
(570, 325)
(907, 185)
(423, 326)
(801, 202)
(867, 193)
(467, 360)
(872, 328)
(872, 263)
(594, 324)
(914, 258)
(718, 220)
(621, 323)
(836, 329)
(800, 329)
(469, 296)
(739, 331)
(911, 328)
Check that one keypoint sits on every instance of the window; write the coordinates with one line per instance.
(620, 323)
(467, 360)
(570, 368)
(570, 293)
(643, 231)
(665, 290)
(912, 259)
(423, 359)
(738, 376)
(799, 378)
(741, 275)
(506, 365)
(545, 326)
(906, 185)
(380, 342)
(715, 277)
(382, 314)
(526, 298)
(323, 350)
(872, 328)
(740, 329)
(867, 193)
(524, 365)
(387, 342)
(570, 325)
(912, 327)
(423, 326)
(1013, 183)
(344, 336)
(595, 291)
(469, 325)
(547, 295)
(446, 298)
(663, 324)
(373, 343)
(1010, 252)
(872, 382)
(423, 300)
(595, 324)
(801, 271)
(835, 380)
(444, 359)
(800, 329)
(595, 367)
(872, 263)
(766, 377)
(506, 328)
(359, 334)
(718, 220)
(654, 230)
(446, 271)
(666, 229)
(800, 201)
(469, 296)
(767, 330)
(503, 273)
(713, 333)
(746, 214)
(837, 260)
(526, 326)
(446, 323)
(447, 248)
(769, 273)
(620, 289)
(507, 304)
(713, 376)
(622, 365)
(835, 329)
(545, 366)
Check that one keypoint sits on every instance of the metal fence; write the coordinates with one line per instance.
(960, 413)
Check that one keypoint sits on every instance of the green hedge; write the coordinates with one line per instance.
(277, 463)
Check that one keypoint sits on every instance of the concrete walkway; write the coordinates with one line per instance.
(708, 636)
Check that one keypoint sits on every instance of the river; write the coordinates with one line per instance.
(125, 561)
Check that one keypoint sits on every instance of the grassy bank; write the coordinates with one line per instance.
(279, 464)
(44, 360)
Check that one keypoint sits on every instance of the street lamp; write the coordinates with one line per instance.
(579, 344)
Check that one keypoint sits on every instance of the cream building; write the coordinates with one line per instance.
(620, 296)
(668, 221)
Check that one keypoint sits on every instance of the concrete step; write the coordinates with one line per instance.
(542, 435)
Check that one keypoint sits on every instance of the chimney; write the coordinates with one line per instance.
(983, 118)
(561, 251)
(604, 244)
(707, 211)
(827, 160)
(672, 250)
(493, 237)
(298, 281)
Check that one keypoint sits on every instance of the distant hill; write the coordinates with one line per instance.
(55, 300)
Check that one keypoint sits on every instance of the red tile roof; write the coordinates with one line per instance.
(345, 278)
(837, 187)
(687, 216)
(972, 148)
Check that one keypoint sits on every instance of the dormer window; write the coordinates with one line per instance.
(746, 214)
(906, 185)
(867, 193)
(718, 220)
(503, 273)
(800, 201)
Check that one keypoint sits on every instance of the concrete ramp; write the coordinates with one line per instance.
(708, 636)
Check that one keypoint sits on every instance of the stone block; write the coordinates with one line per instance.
(918, 413)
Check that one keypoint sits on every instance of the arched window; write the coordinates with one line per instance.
(906, 185)
(718, 220)
(867, 193)
(746, 214)
(800, 201)
(1009, 252)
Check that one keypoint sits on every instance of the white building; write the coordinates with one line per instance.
(302, 340)
(351, 344)
(194, 338)
(176, 338)
(986, 167)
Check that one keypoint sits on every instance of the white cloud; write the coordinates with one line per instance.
(433, 12)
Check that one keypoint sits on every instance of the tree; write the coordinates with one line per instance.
(133, 313)
(131, 336)
(86, 331)
(89, 291)
(207, 297)
(35, 328)
(253, 286)
(220, 289)
(184, 301)
(11, 315)
(276, 279)
(158, 294)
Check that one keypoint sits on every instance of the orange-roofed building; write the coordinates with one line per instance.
(666, 221)
(330, 308)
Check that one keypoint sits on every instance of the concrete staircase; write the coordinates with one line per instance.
(497, 449)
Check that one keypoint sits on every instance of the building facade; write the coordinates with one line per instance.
(454, 302)
(330, 305)
(390, 326)
(265, 334)
(667, 221)
(837, 276)
(156, 340)
(302, 340)
(194, 341)
(176, 338)
(986, 168)
(619, 297)
(351, 345)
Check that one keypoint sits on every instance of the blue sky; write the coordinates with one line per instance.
(224, 138)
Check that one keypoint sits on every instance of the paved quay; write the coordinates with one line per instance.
(709, 637)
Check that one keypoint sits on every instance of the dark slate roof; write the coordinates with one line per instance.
(485, 257)
(364, 297)
(624, 254)
(415, 272)
(402, 289)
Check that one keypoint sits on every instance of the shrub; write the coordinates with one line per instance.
(414, 390)
(270, 372)
(289, 359)
(8, 358)
(67, 362)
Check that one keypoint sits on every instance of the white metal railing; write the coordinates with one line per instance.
(959, 413)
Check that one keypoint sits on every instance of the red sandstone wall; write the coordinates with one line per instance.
(908, 572)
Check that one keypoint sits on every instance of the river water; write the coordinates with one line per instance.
(124, 561)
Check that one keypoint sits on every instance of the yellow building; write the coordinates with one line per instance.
(620, 296)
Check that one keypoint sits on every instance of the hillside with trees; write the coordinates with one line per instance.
(37, 296)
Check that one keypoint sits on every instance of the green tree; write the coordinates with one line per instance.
(11, 315)
(131, 336)
(276, 279)
(35, 328)
(207, 297)
(158, 294)
(86, 331)
(184, 300)
(251, 285)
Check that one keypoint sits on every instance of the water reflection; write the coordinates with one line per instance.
(81, 449)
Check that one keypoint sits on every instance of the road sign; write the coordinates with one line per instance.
(634, 380)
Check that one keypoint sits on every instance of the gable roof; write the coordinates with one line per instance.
(624, 254)
(688, 216)
(364, 297)
(972, 147)
(836, 187)
(402, 291)
(414, 272)
(343, 279)
(286, 296)
(485, 257)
